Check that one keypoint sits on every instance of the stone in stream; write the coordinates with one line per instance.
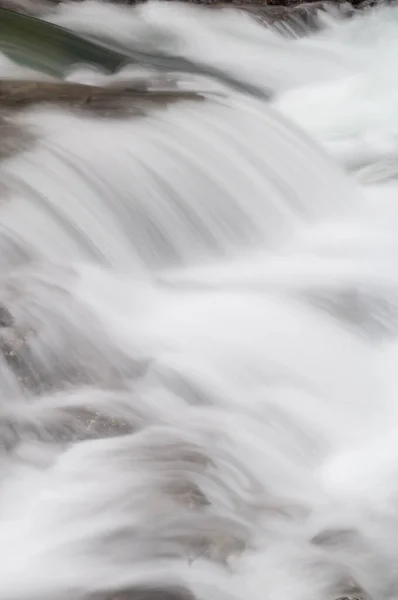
(300, 17)
(6, 318)
(154, 592)
(133, 98)
(129, 99)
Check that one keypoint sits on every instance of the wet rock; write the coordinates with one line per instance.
(15, 350)
(300, 16)
(133, 98)
(55, 343)
(150, 593)
(6, 318)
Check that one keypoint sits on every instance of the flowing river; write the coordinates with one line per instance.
(199, 317)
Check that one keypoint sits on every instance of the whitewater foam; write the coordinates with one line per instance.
(199, 332)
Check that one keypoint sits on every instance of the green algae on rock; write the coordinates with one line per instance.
(51, 49)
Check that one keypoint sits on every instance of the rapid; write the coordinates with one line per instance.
(199, 317)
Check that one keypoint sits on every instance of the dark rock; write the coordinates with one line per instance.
(6, 318)
(151, 593)
(133, 98)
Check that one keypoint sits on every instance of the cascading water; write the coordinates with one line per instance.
(199, 317)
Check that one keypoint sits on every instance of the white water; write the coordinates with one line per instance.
(199, 389)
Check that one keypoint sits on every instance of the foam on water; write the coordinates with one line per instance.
(199, 314)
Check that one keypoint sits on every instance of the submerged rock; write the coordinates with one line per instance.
(34, 8)
(13, 139)
(50, 49)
